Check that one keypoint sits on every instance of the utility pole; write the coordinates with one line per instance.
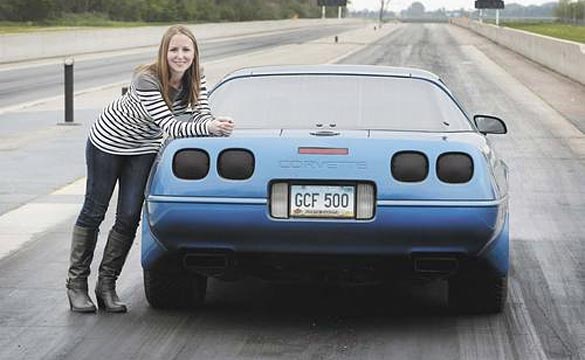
(383, 3)
(381, 12)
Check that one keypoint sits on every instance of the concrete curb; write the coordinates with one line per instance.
(562, 56)
(64, 43)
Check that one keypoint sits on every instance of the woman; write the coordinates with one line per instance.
(122, 145)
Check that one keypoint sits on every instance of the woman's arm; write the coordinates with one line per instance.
(202, 111)
(150, 96)
(218, 126)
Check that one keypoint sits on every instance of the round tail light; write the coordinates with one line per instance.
(236, 164)
(409, 166)
(191, 164)
(455, 168)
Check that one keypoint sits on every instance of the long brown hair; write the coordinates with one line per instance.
(160, 68)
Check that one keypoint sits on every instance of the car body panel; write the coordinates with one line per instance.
(362, 163)
(426, 218)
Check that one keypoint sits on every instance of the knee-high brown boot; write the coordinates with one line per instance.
(115, 254)
(83, 244)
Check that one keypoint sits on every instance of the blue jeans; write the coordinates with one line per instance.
(103, 171)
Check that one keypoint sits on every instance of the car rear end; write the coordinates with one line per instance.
(352, 195)
(313, 195)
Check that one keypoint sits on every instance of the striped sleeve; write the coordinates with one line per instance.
(201, 111)
(150, 96)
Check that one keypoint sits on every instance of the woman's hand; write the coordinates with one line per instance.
(221, 126)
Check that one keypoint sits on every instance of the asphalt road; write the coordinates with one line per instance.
(31, 83)
(545, 314)
(545, 151)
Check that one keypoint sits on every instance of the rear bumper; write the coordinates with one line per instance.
(174, 230)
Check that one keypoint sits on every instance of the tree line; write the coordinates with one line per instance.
(511, 10)
(571, 11)
(158, 10)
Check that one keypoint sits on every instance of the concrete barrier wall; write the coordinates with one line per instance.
(562, 56)
(63, 43)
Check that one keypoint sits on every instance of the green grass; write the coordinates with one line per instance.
(68, 21)
(556, 30)
(16, 27)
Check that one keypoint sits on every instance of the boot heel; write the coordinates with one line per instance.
(108, 300)
(115, 254)
(79, 300)
(83, 243)
(100, 302)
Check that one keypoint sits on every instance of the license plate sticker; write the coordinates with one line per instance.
(322, 201)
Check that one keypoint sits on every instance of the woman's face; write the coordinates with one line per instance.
(180, 54)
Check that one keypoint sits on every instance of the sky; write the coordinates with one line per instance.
(431, 5)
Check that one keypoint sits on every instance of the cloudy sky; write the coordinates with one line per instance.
(397, 5)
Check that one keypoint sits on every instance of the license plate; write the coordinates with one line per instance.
(322, 201)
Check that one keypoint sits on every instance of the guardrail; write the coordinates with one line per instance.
(563, 56)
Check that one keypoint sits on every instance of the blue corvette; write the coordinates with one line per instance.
(353, 173)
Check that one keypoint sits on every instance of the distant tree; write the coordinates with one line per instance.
(571, 12)
(7, 10)
(416, 9)
(124, 10)
(513, 10)
(161, 10)
(33, 10)
(205, 10)
(302, 9)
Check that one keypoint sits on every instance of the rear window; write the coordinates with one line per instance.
(348, 101)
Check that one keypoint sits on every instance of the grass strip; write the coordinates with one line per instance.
(556, 30)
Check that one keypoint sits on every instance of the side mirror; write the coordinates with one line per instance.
(487, 124)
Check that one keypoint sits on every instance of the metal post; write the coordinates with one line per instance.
(68, 66)
(339, 12)
(480, 16)
(322, 12)
(497, 17)
(381, 15)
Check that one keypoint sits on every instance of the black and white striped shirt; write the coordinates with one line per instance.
(136, 122)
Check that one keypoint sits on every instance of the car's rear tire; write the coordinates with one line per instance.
(172, 290)
(478, 295)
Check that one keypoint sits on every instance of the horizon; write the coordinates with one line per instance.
(431, 5)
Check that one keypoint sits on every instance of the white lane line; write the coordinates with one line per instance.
(21, 106)
(58, 60)
(19, 226)
(14, 142)
(75, 188)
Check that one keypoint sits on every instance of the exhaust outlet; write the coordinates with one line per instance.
(435, 265)
(206, 261)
